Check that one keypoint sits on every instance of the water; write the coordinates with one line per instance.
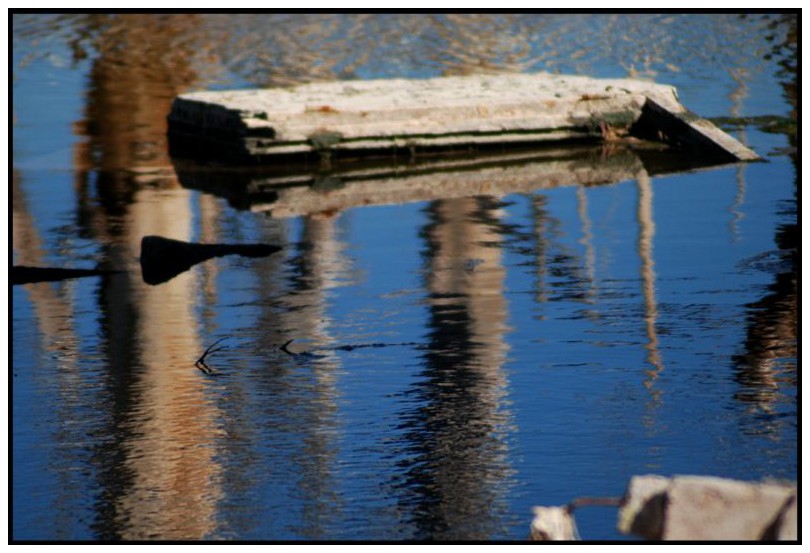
(455, 360)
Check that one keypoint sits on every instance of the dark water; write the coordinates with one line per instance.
(491, 342)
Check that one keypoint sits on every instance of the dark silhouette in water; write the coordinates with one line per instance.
(201, 364)
(163, 258)
(347, 347)
(21, 274)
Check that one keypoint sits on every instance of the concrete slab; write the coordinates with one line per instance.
(553, 524)
(349, 119)
(688, 508)
(706, 508)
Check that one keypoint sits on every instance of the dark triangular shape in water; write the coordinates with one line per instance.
(163, 258)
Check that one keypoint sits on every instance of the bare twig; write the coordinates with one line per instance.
(347, 347)
(284, 347)
(200, 363)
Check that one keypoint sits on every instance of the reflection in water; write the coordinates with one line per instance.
(544, 227)
(145, 446)
(767, 370)
(737, 96)
(168, 433)
(320, 265)
(477, 43)
(281, 422)
(285, 49)
(143, 63)
(587, 241)
(54, 311)
(457, 467)
(771, 343)
(158, 465)
(645, 249)
(653, 358)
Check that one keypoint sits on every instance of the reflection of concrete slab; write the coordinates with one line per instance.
(304, 192)
(350, 119)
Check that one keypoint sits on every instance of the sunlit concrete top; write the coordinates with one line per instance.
(402, 114)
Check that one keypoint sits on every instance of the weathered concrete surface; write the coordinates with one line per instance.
(644, 507)
(708, 508)
(553, 524)
(786, 526)
(361, 118)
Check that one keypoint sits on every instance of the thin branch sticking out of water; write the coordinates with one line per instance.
(348, 347)
(284, 347)
(200, 363)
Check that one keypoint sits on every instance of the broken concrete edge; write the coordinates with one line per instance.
(553, 524)
(671, 123)
(785, 526)
(708, 508)
(642, 512)
(691, 508)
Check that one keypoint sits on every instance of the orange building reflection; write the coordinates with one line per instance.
(167, 429)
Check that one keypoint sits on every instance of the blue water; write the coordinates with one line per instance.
(454, 361)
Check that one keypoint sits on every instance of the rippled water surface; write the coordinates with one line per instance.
(469, 344)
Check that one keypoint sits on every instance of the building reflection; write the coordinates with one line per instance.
(646, 225)
(587, 242)
(157, 468)
(771, 344)
(766, 369)
(456, 469)
(577, 279)
(159, 461)
(300, 311)
(478, 43)
(541, 221)
(737, 97)
(54, 307)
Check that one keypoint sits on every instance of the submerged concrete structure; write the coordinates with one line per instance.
(709, 508)
(687, 508)
(351, 119)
